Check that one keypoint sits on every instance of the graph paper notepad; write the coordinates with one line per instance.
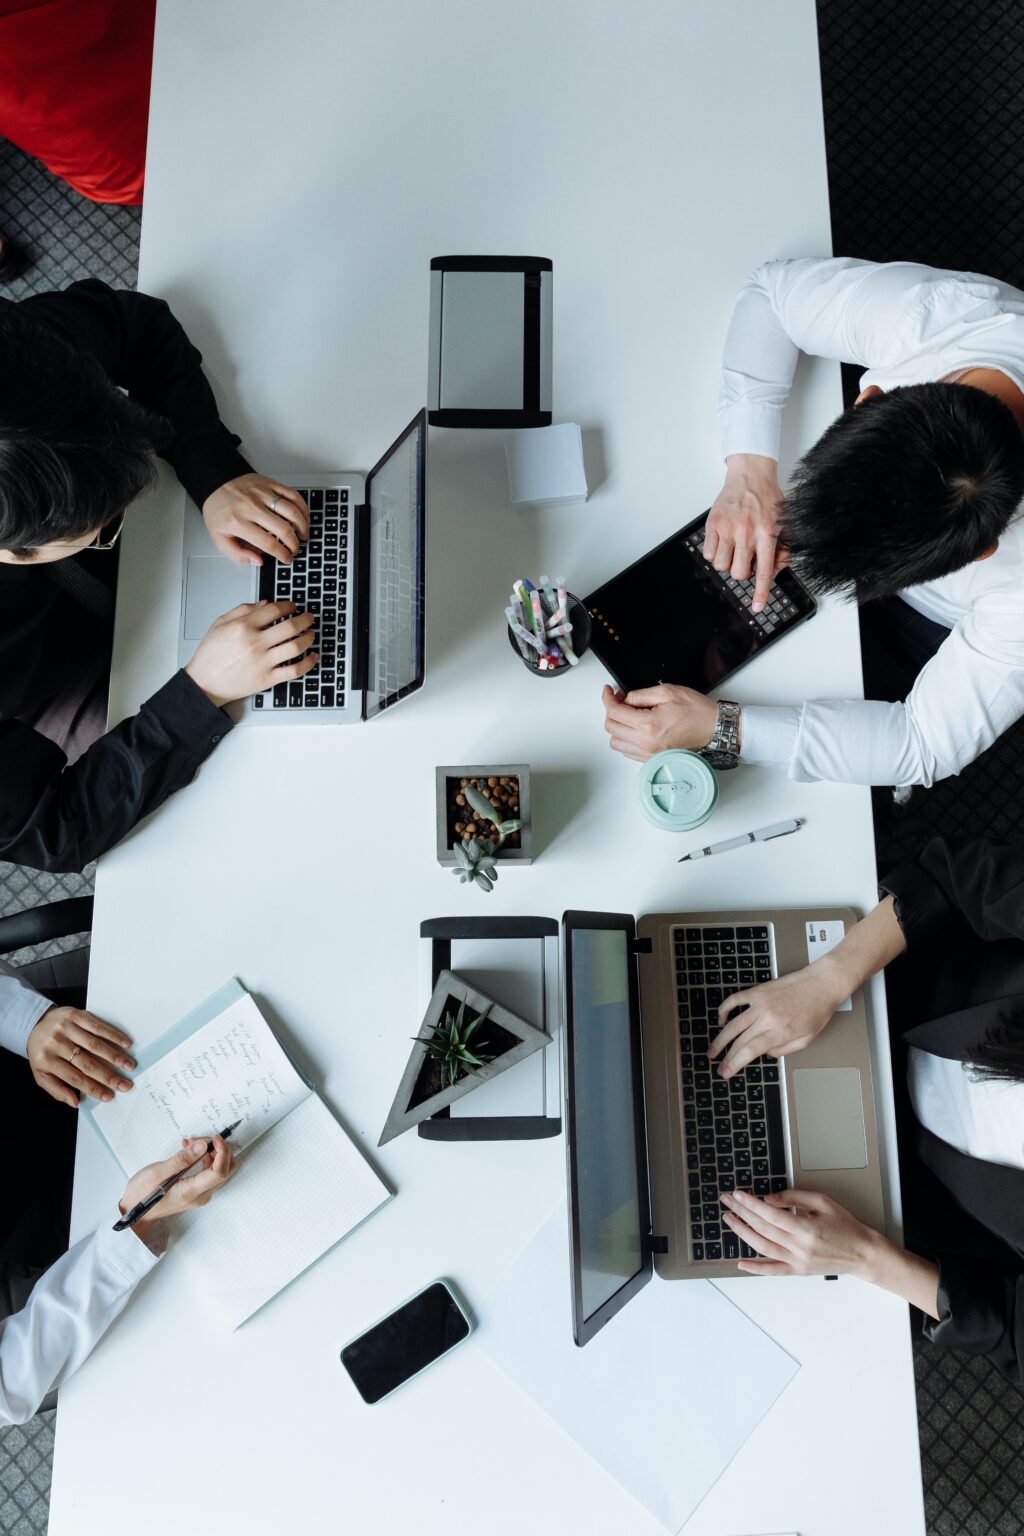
(301, 1184)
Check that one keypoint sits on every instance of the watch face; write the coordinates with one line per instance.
(718, 759)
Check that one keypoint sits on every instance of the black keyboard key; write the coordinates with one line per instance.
(723, 1162)
(267, 582)
(705, 1118)
(762, 1187)
(760, 1167)
(693, 1178)
(744, 1178)
(710, 1212)
(331, 495)
(759, 933)
(755, 1093)
(327, 698)
(763, 976)
(746, 1252)
(696, 1231)
(708, 1194)
(707, 1161)
(770, 1072)
(742, 1159)
(257, 702)
(746, 978)
(779, 1184)
(741, 1141)
(730, 979)
(773, 1119)
(731, 1245)
(280, 695)
(294, 693)
(713, 1232)
(698, 1252)
(315, 501)
(744, 933)
(719, 933)
(759, 1148)
(739, 1121)
(727, 1183)
(762, 947)
(692, 1161)
(713, 1250)
(719, 1088)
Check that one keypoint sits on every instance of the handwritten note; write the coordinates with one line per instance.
(231, 1069)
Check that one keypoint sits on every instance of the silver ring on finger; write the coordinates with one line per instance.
(273, 504)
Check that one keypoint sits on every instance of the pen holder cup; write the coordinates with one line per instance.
(582, 628)
(677, 790)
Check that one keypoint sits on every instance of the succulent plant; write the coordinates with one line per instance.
(474, 865)
(480, 803)
(448, 1045)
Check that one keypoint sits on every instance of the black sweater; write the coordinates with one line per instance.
(52, 816)
(961, 908)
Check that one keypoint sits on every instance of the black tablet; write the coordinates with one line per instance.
(670, 617)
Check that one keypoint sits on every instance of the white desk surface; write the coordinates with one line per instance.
(305, 163)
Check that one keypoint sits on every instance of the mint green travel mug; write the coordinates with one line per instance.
(677, 790)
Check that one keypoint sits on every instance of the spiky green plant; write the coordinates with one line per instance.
(448, 1045)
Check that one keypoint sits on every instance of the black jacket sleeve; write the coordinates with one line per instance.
(971, 880)
(59, 818)
(141, 347)
(981, 1312)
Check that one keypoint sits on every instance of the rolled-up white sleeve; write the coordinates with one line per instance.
(20, 1010)
(71, 1306)
(835, 307)
(968, 694)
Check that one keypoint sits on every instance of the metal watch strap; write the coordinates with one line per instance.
(727, 729)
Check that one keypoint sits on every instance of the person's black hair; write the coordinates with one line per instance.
(1000, 1055)
(74, 451)
(904, 488)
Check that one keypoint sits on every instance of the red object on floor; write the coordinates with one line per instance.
(74, 90)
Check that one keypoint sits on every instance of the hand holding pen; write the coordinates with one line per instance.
(179, 1183)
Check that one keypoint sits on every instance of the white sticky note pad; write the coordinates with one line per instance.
(545, 464)
(823, 934)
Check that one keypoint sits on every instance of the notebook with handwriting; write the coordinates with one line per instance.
(301, 1184)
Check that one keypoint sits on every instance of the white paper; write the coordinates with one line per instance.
(545, 464)
(300, 1190)
(823, 934)
(232, 1068)
(662, 1398)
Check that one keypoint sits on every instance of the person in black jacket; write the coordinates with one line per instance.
(92, 383)
(951, 930)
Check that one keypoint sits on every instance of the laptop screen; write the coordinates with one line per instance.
(396, 496)
(609, 1200)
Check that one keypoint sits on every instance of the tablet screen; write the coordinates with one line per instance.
(672, 618)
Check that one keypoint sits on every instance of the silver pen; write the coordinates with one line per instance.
(762, 835)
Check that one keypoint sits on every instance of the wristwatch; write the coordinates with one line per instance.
(723, 750)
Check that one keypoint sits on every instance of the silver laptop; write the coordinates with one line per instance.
(362, 573)
(654, 1136)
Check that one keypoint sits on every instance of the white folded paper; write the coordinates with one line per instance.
(653, 1397)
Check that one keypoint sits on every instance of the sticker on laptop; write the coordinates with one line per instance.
(822, 936)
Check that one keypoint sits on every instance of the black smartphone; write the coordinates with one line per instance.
(406, 1341)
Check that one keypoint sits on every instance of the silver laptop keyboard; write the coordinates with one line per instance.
(318, 581)
(777, 612)
(733, 1130)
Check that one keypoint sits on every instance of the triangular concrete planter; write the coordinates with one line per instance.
(451, 987)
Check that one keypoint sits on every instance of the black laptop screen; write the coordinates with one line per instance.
(608, 1206)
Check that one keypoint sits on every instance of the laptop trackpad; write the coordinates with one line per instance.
(214, 584)
(829, 1117)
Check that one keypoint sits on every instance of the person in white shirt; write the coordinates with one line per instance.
(910, 502)
(950, 930)
(51, 1317)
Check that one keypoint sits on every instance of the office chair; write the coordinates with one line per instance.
(61, 977)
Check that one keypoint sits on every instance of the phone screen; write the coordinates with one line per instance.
(404, 1343)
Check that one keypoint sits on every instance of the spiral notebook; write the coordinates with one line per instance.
(302, 1184)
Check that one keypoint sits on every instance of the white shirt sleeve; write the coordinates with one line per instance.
(835, 307)
(20, 1010)
(966, 696)
(71, 1306)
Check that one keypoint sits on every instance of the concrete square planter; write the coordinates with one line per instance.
(523, 854)
(523, 1039)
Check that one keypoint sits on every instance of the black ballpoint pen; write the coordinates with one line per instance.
(143, 1206)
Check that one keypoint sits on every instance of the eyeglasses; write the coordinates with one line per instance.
(109, 534)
